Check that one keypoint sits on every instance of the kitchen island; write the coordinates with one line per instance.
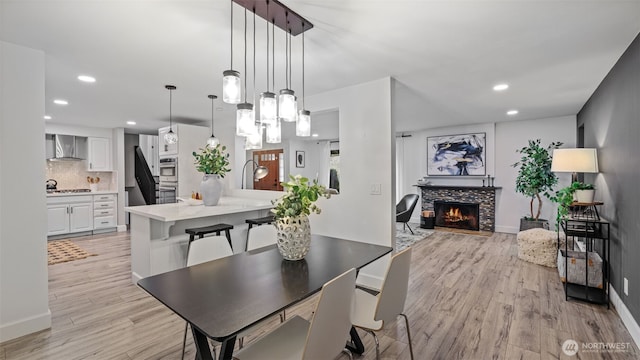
(158, 240)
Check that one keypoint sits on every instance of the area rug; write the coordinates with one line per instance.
(404, 238)
(63, 251)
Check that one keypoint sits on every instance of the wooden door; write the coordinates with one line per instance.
(271, 159)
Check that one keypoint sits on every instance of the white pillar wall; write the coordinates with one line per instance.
(23, 217)
(367, 160)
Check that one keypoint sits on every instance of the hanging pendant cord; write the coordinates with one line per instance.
(273, 54)
(267, 46)
(290, 65)
(231, 34)
(286, 55)
(254, 55)
(170, 120)
(212, 117)
(245, 55)
(303, 108)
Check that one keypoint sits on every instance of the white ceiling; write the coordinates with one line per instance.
(445, 55)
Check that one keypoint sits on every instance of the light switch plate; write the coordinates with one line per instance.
(626, 286)
(376, 189)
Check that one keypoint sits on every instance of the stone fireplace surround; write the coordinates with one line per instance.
(483, 195)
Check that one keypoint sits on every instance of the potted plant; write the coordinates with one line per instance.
(291, 215)
(567, 195)
(535, 178)
(214, 163)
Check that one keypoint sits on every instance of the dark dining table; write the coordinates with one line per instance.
(224, 297)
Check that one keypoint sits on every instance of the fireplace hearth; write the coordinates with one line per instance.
(457, 215)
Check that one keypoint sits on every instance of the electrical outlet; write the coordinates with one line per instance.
(376, 189)
(626, 286)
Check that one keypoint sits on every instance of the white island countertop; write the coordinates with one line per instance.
(185, 211)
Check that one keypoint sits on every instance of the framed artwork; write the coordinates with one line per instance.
(299, 159)
(456, 155)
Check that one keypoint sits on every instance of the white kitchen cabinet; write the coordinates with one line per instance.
(104, 212)
(69, 214)
(99, 157)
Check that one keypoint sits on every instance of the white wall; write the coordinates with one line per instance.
(312, 158)
(23, 217)
(514, 135)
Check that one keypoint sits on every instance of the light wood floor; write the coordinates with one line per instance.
(469, 298)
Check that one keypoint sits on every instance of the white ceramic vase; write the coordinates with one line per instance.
(294, 237)
(211, 189)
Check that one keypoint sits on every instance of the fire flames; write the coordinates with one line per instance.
(455, 215)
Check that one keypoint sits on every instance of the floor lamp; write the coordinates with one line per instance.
(258, 171)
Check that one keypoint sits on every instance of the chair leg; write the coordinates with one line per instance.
(377, 343)
(283, 316)
(409, 228)
(406, 321)
(184, 338)
(240, 342)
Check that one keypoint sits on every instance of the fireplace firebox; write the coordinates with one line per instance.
(457, 215)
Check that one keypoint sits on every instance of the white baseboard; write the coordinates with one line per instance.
(135, 278)
(507, 229)
(26, 326)
(122, 228)
(625, 315)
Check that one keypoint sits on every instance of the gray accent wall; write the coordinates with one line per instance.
(611, 120)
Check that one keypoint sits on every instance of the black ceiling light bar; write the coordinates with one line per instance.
(279, 14)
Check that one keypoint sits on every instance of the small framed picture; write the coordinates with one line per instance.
(299, 159)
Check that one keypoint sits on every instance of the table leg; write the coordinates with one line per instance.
(202, 345)
(356, 345)
(226, 349)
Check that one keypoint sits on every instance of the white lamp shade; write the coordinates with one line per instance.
(268, 108)
(245, 120)
(575, 160)
(170, 137)
(287, 106)
(231, 87)
(303, 123)
(254, 141)
(274, 132)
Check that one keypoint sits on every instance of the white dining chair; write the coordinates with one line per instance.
(324, 337)
(370, 312)
(261, 236)
(202, 250)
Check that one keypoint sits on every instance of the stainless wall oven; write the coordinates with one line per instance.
(168, 186)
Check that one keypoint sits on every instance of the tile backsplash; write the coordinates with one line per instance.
(73, 175)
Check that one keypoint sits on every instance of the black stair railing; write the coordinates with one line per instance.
(144, 178)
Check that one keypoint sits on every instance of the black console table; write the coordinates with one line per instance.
(592, 231)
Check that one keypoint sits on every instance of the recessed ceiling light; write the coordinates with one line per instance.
(47, 117)
(501, 87)
(131, 122)
(87, 78)
(60, 102)
(512, 112)
(314, 135)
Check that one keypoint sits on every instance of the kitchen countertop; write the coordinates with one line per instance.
(185, 211)
(100, 192)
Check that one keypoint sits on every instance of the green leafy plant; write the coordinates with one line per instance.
(300, 197)
(534, 173)
(212, 160)
(565, 197)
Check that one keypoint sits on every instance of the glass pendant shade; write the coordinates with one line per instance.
(303, 123)
(245, 120)
(274, 133)
(170, 137)
(268, 108)
(287, 105)
(254, 141)
(231, 87)
(213, 142)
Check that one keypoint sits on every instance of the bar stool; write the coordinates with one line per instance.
(202, 231)
(259, 221)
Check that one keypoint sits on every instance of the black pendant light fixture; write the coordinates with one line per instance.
(245, 119)
(170, 137)
(213, 140)
(287, 98)
(254, 141)
(303, 122)
(268, 103)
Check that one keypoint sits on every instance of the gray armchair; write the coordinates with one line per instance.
(404, 209)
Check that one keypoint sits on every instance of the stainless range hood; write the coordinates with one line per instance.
(66, 147)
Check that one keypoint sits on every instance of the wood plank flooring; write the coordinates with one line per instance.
(470, 297)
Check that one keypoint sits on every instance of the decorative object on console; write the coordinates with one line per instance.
(259, 171)
(214, 163)
(456, 155)
(93, 183)
(170, 137)
(291, 215)
(535, 178)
